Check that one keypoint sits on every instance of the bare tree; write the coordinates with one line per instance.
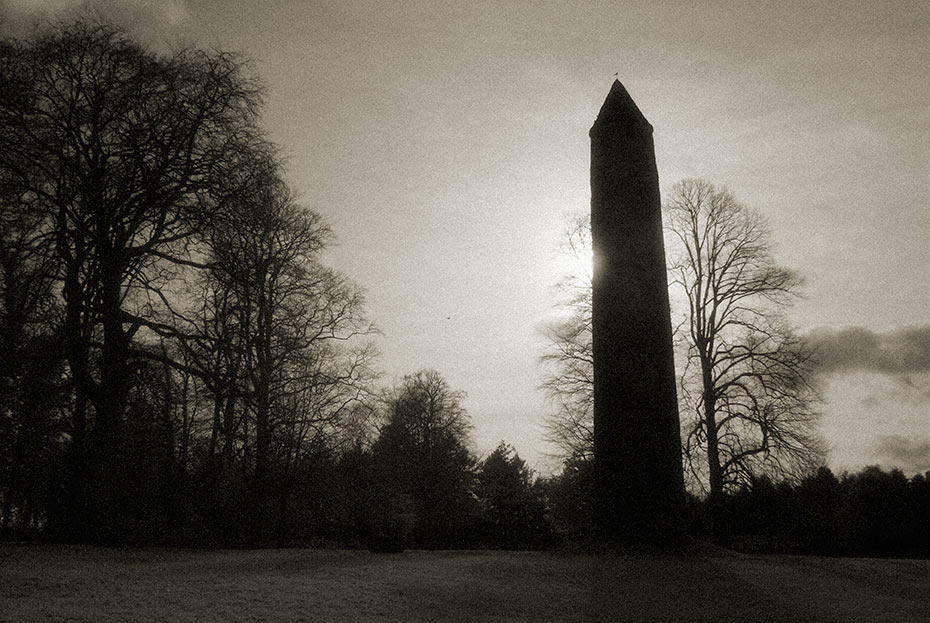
(568, 360)
(746, 371)
(282, 357)
(119, 149)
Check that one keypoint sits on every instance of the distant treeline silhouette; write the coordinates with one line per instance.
(871, 512)
(867, 513)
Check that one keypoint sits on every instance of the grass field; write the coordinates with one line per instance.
(61, 583)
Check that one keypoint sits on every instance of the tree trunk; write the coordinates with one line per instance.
(110, 406)
(715, 473)
(77, 514)
(75, 520)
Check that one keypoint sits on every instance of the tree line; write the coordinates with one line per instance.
(871, 512)
(868, 513)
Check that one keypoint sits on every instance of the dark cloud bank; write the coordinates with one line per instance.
(898, 352)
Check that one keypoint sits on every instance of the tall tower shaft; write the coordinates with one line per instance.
(637, 440)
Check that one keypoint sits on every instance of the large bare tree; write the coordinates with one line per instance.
(286, 327)
(746, 371)
(119, 150)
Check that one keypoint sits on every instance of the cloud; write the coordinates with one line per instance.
(22, 17)
(876, 387)
(911, 455)
(899, 352)
(41, 7)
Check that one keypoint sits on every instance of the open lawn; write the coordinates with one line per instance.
(62, 583)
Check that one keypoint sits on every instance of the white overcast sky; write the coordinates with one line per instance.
(447, 141)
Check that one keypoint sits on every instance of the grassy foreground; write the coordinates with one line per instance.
(61, 583)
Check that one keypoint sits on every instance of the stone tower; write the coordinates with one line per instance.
(637, 441)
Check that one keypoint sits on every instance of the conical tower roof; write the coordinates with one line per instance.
(619, 109)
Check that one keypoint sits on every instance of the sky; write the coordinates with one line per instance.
(446, 143)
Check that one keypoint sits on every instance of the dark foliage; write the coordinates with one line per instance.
(873, 513)
(868, 513)
(424, 470)
(569, 496)
(512, 510)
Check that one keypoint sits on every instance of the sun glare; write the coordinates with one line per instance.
(574, 266)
